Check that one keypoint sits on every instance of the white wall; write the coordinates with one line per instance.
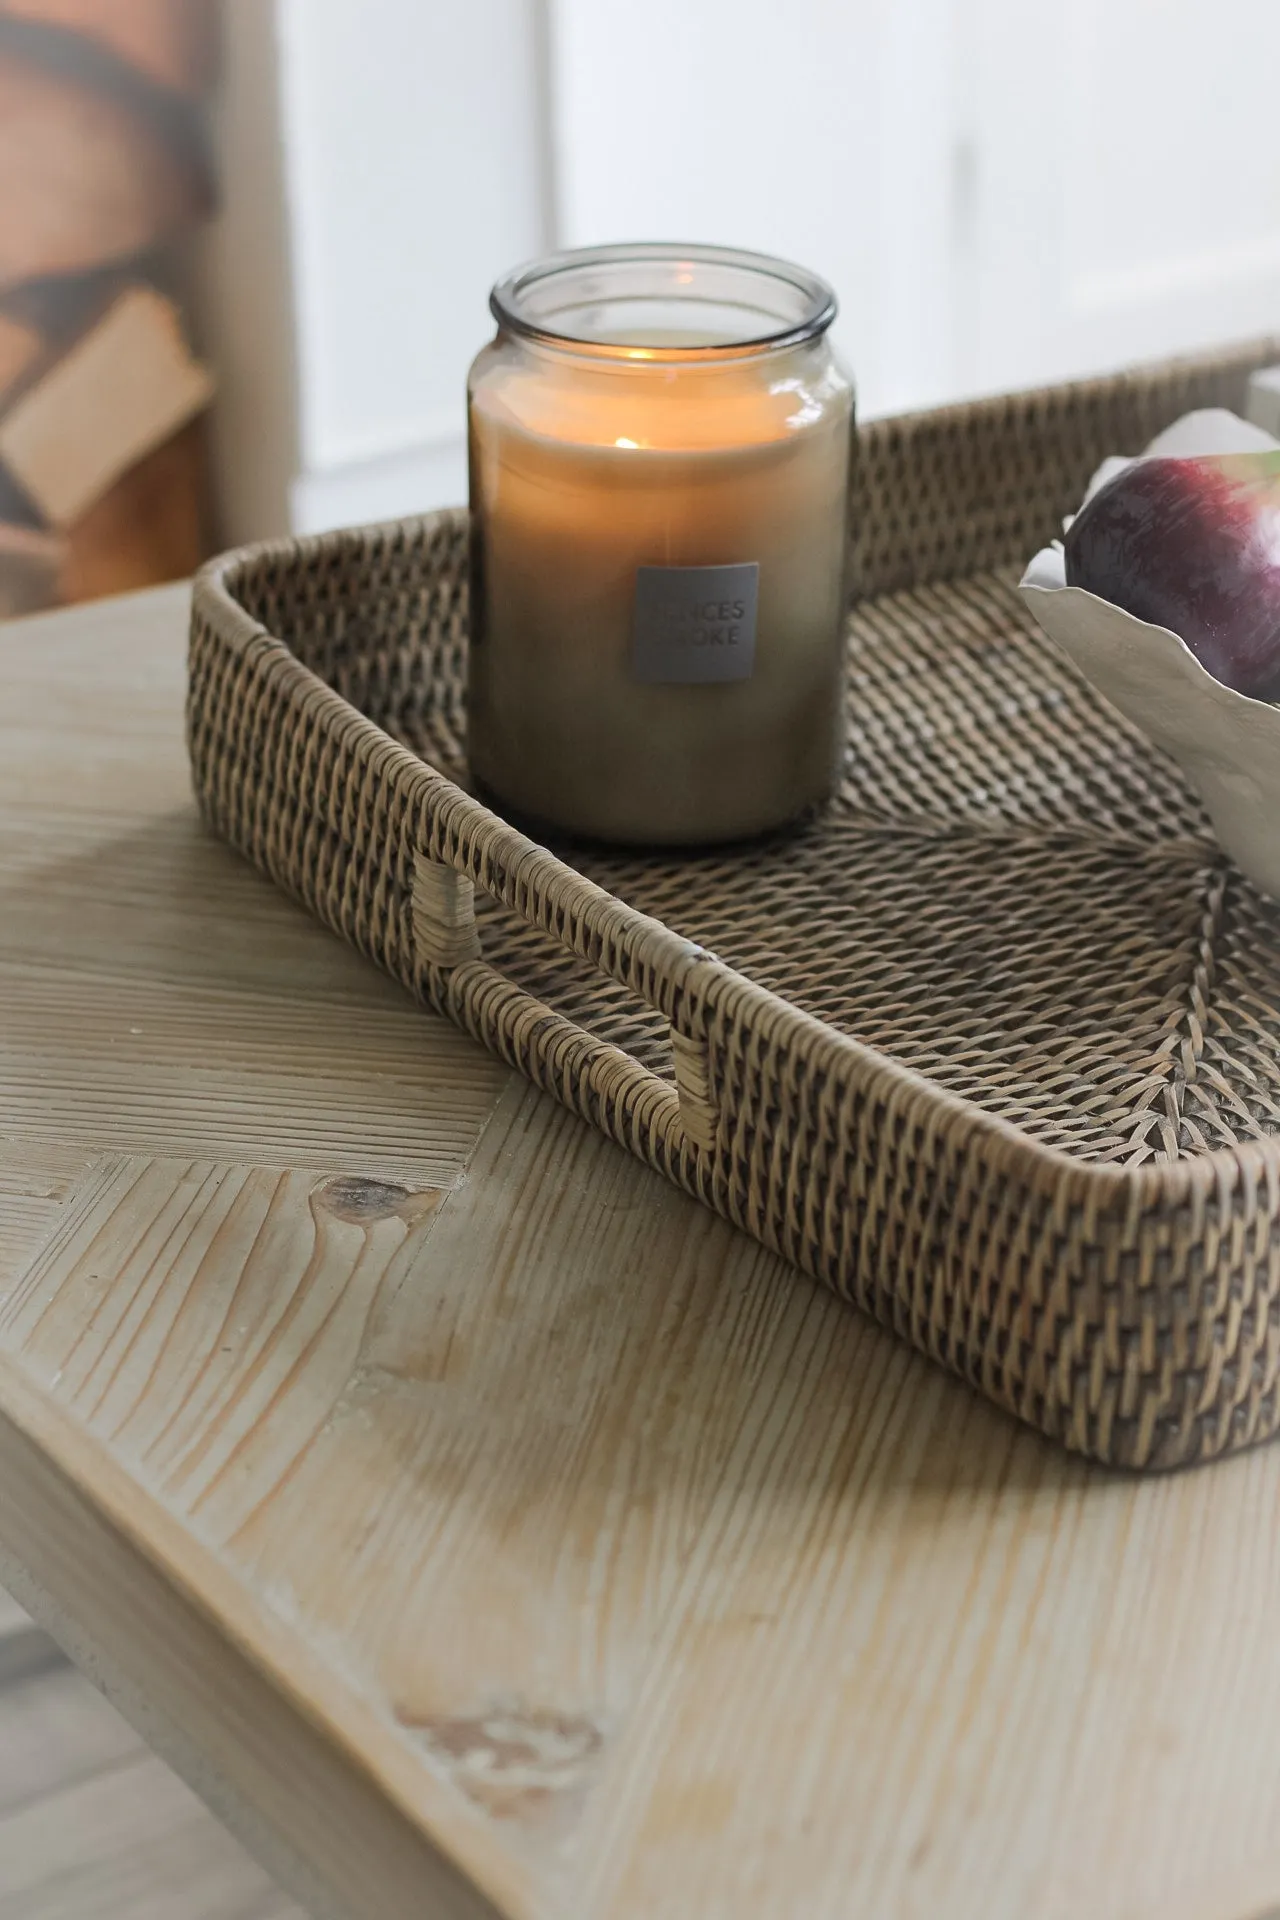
(243, 293)
(1002, 192)
(1127, 199)
(415, 144)
(823, 130)
(383, 162)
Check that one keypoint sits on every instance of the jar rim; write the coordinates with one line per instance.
(513, 300)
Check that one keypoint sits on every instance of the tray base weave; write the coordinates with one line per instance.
(1013, 894)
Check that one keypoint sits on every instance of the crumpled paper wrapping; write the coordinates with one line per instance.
(1227, 744)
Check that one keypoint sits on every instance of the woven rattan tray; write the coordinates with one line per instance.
(993, 1048)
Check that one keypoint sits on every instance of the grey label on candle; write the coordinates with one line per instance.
(695, 624)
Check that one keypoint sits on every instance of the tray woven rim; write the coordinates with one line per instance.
(1126, 1210)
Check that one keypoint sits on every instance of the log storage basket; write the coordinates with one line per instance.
(992, 1047)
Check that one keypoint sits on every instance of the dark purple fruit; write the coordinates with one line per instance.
(1193, 545)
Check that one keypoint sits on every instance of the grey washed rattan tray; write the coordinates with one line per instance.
(992, 1047)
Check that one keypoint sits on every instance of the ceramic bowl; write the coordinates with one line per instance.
(1227, 744)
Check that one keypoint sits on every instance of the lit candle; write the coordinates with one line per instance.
(659, 473)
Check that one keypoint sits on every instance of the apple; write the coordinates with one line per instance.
(1192, 545)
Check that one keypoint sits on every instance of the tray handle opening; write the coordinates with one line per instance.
(447, 942)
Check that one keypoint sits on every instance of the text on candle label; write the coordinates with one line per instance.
(695, 624)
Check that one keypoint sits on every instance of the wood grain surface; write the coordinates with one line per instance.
(158, 995)
(92, 1827)
(11, 1615)
(15, 1632)
(484, 1528)
(130, 1842)
(57, 1733)
(696, 1587)
(25, 1649)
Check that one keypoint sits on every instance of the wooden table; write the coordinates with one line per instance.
(480, 1526)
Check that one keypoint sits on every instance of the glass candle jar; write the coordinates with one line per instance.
(659, 448)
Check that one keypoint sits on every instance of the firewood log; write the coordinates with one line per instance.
(152, 525)
(31, 567)
(20, 349)
(85, 178)
(121, 390)
(170, 42)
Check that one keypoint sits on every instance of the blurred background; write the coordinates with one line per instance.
(245, 247)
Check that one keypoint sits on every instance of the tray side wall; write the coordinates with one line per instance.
(1134, 1317)
(966, 489)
